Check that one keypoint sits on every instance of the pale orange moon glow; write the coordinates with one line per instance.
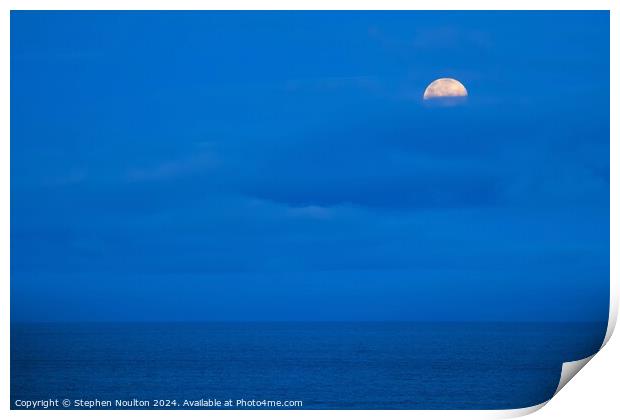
(445, 88)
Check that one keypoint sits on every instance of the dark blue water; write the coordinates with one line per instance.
(325, 365)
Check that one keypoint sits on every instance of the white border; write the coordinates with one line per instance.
(298, 5)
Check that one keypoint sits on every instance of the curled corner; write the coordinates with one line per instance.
(611, 323)
(569, 370)
(520, 412)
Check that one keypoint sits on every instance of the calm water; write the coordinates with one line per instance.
(326, 365)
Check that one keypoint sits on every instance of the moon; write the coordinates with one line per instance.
(445, 88)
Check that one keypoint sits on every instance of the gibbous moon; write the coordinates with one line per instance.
(445, 88)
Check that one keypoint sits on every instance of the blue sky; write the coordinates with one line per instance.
(283, 166)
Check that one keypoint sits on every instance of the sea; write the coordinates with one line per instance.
(293, 365)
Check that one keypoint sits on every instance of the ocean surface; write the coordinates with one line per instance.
(326, 365)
